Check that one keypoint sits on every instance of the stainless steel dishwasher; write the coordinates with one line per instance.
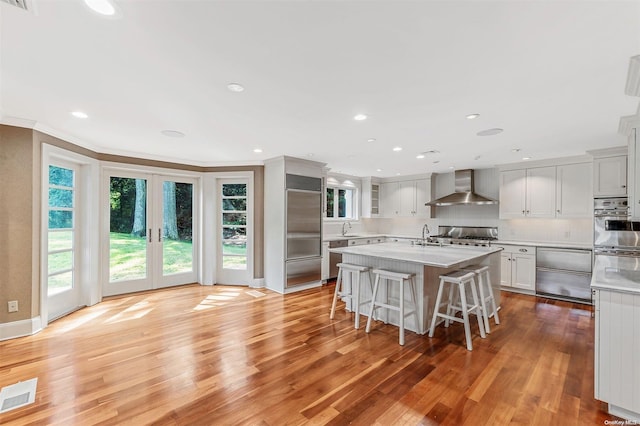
(335, 258)
(564, 274)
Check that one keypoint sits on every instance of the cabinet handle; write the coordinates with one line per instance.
(523, 250)
(624, 186)
(522, 211)
(527, 211)
(557, 211)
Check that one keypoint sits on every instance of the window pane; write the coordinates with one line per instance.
(60, 261)
(60, 197)
(177, 246)
(229, 233)
(234, 189)
(60, 282)
(330, 202)
(234, 262)
(237, 247)
(234, 218)
(60, 240)
(60, 219)
(234, 204)
(342, 203)
(61, 177)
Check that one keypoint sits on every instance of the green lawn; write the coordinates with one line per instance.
(127, 257)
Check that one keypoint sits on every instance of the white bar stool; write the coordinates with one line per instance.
(486, 294)
(354, 294)
(458, 279)
(401, 278)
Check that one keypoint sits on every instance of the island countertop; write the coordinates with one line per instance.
(441, 257)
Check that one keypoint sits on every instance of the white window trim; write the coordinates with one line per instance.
(354, 199)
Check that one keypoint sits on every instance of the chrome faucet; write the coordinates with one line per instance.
(344, 228)
(425, 231)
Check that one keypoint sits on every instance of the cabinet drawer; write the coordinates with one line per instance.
(517, 249)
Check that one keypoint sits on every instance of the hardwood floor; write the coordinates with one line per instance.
(217, 355)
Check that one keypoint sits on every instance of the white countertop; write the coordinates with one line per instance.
(545, 244)
(348, 236)
(442, 257)
(617, 273)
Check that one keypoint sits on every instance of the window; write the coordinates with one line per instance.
(61, 229)
(234, 225)
(341, 203)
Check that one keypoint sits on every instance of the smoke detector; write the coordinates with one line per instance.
(26, 5)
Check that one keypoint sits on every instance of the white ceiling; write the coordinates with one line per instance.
(551, 74)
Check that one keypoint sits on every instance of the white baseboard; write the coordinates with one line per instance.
(11, 330)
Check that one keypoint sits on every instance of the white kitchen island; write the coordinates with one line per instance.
(427, 263)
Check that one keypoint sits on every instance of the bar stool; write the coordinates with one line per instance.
(486, 294)
(401, 278)
(458, 279)
(354, 294)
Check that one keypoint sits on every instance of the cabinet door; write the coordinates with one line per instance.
(512, 194)
(505, 269)
(325, 261)
(573, 191)
(407, 197)
(523, 271)
(390, 200)
(423, 196)
(541, 192)
(610, 176)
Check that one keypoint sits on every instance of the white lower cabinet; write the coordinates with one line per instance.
(617, 352)
(518, 268)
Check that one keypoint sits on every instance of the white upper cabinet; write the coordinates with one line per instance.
(573, 186)
(562, 191)
(541, 192)
(610, 176)
(634, 172)
(513, 191)
(405, 198)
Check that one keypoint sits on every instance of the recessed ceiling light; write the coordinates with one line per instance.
(360, 117)
(490, 132)
(378, 170)
(172, 133)
(257, 150)
(451, 167)
(79, 114)
(235, 87)
(397, 149)
(472, 116)
(371, 140)
(420, 156)
(311, 154)
(526, 158)
(103, 7)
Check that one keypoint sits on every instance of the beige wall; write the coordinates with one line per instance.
(19, 223)
(20, 193)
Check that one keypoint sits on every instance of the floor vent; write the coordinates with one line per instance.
(255, 293)
(18, 395)
(27, 5)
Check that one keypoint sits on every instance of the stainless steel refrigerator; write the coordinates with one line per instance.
(304, 230)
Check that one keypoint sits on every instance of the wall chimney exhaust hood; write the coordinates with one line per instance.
(464, 194)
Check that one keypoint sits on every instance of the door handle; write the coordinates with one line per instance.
(159, 235)
(150, 239)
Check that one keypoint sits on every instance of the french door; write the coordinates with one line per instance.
(234, 232)
(151, 239)
(63, 292)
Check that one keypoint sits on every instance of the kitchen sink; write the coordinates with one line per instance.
(351, 235)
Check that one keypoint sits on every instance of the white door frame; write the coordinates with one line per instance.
(86, 215)
(154, 176)
(211, 230)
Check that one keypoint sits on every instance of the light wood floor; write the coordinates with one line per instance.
(217, 355)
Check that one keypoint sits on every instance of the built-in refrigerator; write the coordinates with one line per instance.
(303, 230)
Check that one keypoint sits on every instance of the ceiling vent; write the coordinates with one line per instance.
(27, 5)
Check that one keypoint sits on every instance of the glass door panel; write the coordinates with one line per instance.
(233, 255)
(61, 241)
(128, 235)
(177, 241)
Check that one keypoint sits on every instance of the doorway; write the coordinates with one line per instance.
(150, 231)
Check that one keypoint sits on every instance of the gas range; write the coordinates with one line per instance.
(479, 236)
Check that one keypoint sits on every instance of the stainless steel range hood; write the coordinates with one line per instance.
(464, 192)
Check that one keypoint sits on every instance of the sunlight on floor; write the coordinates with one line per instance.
(218, 299)
(81, 320)
(132, 312)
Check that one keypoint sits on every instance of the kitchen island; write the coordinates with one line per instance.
(427, 263)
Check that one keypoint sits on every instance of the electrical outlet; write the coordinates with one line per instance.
(12, 305)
